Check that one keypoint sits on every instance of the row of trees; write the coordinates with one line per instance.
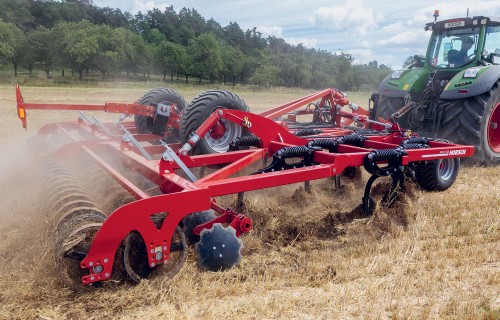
(79, 36)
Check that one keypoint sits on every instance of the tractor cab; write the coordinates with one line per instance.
(463, 43)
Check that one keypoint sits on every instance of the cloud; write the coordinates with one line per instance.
(415, 37)
(362, 55)
(144, 6)
(352, 14)
(306, 42)
(267, 31)
(456, 9)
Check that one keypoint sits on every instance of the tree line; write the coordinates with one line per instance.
(78, 36)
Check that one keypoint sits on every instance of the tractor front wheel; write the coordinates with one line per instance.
(386, 106)
(475, 121)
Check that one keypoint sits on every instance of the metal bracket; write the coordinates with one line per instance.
(86, 119)
(121, 118)
(170, 154)
(130, 138)
(100, 125)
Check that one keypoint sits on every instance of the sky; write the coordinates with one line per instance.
(382, 30)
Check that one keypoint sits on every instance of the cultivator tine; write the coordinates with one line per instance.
(130, 138)
(240, 204)
(307, 186)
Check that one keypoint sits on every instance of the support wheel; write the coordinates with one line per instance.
(199, 109)
(144, 124)
(437, 175)
(218, 248)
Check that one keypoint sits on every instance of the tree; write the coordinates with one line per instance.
(12, 41)
(266, 75)
(171, 57)
(234, 36)
(42, 53)
(233, 60)
(114, 48)
(206, 57)
(78, 44)
(132, 49)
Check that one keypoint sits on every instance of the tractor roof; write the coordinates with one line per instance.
(458, 23)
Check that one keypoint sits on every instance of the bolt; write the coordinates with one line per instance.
(184, 153)
(223, 245)
(159, 256)
(215, 248)
(220, 112)
(105, 260)
(92, 278)
(91, 264)
(334, 170)
(220, 255)
(97, 269)
(152, 250)
(165, 248)
(152, 265)
(107, 275)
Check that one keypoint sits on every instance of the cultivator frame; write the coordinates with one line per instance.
(299, 154)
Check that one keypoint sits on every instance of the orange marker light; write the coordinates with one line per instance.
(22, 113)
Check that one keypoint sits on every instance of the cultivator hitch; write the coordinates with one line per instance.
(158, 197)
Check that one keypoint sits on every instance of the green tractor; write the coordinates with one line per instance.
(454, 92)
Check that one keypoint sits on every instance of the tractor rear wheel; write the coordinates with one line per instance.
(199, 109)
(144, 124)
(387, 106)
(475, 121)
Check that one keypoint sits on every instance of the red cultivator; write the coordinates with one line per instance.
(160, 159)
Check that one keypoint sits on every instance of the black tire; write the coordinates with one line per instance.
(387, 106)
(144, 124)
(199, 109)
(437, 175)
(475, 121)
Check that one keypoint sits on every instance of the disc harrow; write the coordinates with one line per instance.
(158, 197)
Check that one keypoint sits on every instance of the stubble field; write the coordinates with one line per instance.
(433, 255)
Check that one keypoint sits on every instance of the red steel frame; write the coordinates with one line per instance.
(182, 197)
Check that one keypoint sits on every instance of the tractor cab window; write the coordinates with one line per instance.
(453, 48)
(491, 52)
